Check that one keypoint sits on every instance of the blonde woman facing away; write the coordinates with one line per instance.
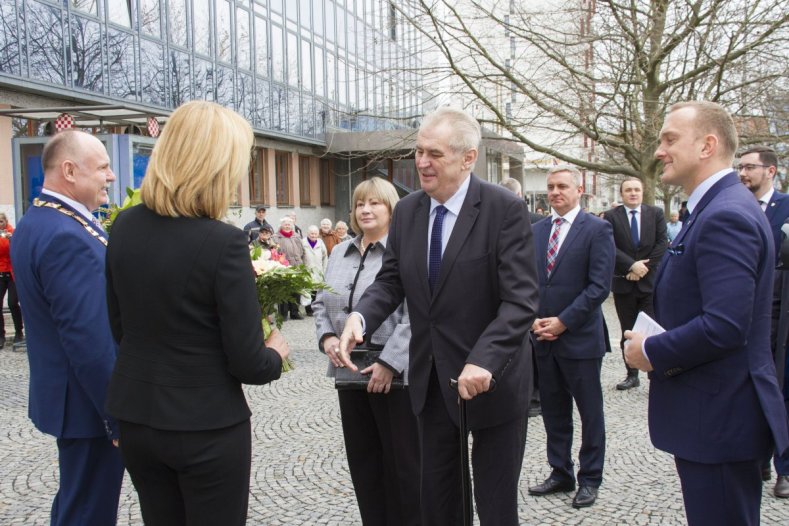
(183, 307)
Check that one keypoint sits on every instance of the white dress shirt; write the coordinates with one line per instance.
(79, 207)
(638, 217)
(453, 206)
(569, 217)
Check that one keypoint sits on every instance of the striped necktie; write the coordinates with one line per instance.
(553, 244)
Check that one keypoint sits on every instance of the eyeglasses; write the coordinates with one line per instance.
(749, 167)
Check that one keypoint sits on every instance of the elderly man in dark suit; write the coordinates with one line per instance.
(58, 257)
(714, 401)
(574, 253)
(460, 253)
(640, 238)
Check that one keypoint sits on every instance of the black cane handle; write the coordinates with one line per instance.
(453, 384)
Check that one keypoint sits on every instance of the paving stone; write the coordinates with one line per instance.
(300, 474)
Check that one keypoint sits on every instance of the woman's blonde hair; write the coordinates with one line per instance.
(198, 162)
(373, 188)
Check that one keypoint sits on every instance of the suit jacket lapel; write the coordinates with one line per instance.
(727, 180)
(624, 221)
(418, 240)
(647, 226)
(542, 231)
(465, 221)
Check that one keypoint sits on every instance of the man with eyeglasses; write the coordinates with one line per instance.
(757, 169)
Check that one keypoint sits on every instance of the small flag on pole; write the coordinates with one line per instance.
(64, 121)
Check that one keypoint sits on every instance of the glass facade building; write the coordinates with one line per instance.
(295, 69)
(290, 67)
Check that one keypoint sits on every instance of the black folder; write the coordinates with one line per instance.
(346, 379)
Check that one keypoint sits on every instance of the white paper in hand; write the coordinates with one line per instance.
(647, 326)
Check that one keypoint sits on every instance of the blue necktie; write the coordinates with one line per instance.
(634, 228)
(434, 266)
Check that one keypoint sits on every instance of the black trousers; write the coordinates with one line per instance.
(496, 458)
(7, 285)
(627, 308)
(382, 444)
(189, 477)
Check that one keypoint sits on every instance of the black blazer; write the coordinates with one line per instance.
(183, 308)
(652, 244)
(482, 307)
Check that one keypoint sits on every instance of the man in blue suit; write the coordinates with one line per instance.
(58, 256)
(757, 167)
(575, 256)
(714, 401)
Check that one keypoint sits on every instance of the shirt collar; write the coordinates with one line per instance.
(569, 216)
(79, 207)
(702, 189)
(454, 203)
(767, 196)
(636, 209)
(355, 246)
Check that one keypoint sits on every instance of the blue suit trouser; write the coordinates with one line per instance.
(721, 494)
(91, 474)
(563, 380)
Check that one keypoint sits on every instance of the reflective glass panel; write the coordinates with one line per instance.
(176, 21)
(201, 10)
(320, 82)
(294, 112)
(180, 78)
(86, 64)
(244, 40)
(120, 52)
(317, 7)
(245, 97)
(224, 35)
(119, 12)
(152, 70)
(86, 6)
(279, 107)
(224, 86)
(203, 80)
(149, 17)
(45, 43)
(277, 53)
(261, 46)
(293, 60)
(306, 65)
(11, 34)
(262, 117)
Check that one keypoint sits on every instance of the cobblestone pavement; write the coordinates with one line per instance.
(299, 472)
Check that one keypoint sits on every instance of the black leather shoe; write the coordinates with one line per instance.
(19, 337)
(586, 496)
(781, 489)
(552, 485)
(535, 410)
(767, 474)
(628, 383)
(2, 342)
(296, 317)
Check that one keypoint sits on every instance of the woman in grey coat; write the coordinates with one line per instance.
(379, 427)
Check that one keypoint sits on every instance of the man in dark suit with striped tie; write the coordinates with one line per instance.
(574, 253)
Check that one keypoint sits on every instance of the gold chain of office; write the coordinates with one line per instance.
(79, 219)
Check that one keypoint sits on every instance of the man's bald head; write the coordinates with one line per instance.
(77, 166)
(63, 146)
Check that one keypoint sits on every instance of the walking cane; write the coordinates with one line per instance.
(465, 471)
